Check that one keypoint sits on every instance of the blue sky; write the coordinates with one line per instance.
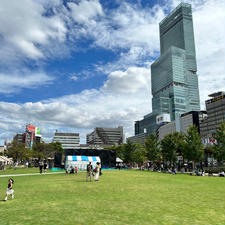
(75, 65)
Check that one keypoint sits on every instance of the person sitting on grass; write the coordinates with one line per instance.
(71, 169)
(10, 190)
(221, 174)
(174, 171)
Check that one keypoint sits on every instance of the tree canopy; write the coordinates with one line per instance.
(172, 145)
(18, 152)
(193, 147)
(42, 150)
(153, 150)
(219, 145)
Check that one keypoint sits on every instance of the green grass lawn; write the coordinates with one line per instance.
(119, 198)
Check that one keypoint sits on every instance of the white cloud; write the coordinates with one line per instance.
(133, 80)
(130, 30)
(85, 11)
(74, 77)
(108, 106)
(210, 46)
(14, 82)
(25, 30)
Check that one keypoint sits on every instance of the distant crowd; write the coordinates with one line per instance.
(91, 172)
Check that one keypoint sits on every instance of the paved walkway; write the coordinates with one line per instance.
(29, 174)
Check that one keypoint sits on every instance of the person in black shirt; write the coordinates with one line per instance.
(10, 190)
(41, 166)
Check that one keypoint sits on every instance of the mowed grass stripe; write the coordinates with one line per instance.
(120, 197)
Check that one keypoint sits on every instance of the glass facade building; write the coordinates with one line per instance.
(215, 107)
(174, 74)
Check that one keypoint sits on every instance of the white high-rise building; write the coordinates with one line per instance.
(68, 140)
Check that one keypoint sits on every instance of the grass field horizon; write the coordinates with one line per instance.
(120, 197)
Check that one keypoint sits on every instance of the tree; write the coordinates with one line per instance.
(139, 154)
(171, 146)
(39, 151)
(193, 147)
(152, 147)
(219, 145)
(46, 150)
(56, 147)
(126, 152)
(119, 150)
(18, 151)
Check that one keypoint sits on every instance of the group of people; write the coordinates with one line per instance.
(72, 169)
(93, 172)
(43, 165)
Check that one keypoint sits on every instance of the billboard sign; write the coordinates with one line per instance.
(215, 99)
(163, 118)
(37, 132)
(30, 128)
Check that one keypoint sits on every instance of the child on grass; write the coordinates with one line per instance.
(10, 190)
(76, 169)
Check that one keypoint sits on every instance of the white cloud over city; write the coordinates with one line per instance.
(16, 81)
(130, 30)
(107, 106)
(25, 32)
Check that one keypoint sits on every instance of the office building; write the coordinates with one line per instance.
(166, 129)
(192, 118)
(215, 107)
(19, 138)
(139, 138)
(67, 140)
(174, 74)
(105, 136)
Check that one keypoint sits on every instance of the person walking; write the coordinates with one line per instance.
(41, 166)
(15, 165)
(45, 166)
(97, 171)
(10, 190)
(76, 169)
(89, 171)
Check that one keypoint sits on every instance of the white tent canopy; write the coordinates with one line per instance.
(81, 161)
(1, 159)
(119, 160)
(5, 159)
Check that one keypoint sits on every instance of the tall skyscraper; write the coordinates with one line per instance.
(174, 74)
